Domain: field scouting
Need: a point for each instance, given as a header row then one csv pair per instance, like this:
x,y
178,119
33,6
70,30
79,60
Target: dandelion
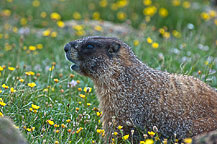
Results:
x,y
147,2
98,28
87,89
176,2
150,11
30,109
46,32
56,125
155,45
56,80
5,86
120,127
205,16
23,21
50,122
78,27
151,133
82,95
136,42
56,142
68,120
79,89
125,137
39,46
1,68
96,15
103,3
12,90
149,141
115,133
76,15
11,68
78,81
212,13
188,140
77,109
88,104
36,3
121,15
98,114
60,24
43,14
32,48
1,114
69,130
31,84
35,106
176,34
45,90
79,130
53,34
163,12
186,4
63,126
2,103
55,16
6,12
149,40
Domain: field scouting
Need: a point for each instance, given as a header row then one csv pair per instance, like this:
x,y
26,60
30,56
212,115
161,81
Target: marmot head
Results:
x,y
94,55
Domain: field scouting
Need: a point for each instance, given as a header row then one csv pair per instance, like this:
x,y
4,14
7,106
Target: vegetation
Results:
x,y
51,104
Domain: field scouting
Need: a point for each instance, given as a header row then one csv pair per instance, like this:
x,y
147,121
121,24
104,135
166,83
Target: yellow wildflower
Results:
x,y
30,73
149,141
150,11
2,103
56,142
69,130
149,40
88,104
28,129
76,15
166,35
53,34
35,106
176,2
46,32
79,130
98,28
136,42
98,113
43,14
212,13
147,2
115,133
5,86
99,131
36,3
103,3
163,12
121,15
0,91
205,16
188,140
50,69
96,15
155,45
79,89
56,80
68,120
78,81
186,4
56,125
87,89
23,21
1,114
55,16
32,48
30,109
12,90
151,133
63,125
6,12
39,46
57,131
11,68
82,96
78,27
77,109
60,24
50,122
1,68
120,127
125,137
176,34
31,84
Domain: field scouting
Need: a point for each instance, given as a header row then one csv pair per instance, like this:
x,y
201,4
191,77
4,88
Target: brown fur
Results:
x,y
136,96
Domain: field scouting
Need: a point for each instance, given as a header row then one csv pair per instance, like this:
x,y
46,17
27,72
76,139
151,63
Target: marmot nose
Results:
x,y
67,47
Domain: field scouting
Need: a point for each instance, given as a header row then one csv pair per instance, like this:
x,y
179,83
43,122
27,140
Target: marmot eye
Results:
x,y
90,46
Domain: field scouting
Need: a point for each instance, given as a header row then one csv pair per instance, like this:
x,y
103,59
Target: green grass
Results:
x,y
59,103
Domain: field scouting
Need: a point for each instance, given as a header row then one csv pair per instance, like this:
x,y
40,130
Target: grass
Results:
x,y
188,51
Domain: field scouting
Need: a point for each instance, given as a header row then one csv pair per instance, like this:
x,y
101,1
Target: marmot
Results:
x,y
138,97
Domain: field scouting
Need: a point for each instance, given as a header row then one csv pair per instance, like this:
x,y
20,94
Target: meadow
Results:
x,y
48,102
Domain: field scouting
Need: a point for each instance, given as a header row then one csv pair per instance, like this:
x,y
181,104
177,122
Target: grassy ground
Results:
x,y
177,36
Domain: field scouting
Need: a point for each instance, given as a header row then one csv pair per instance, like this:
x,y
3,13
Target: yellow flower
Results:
x,y
103,3
125,137
68,120
6,12
57,131
33,128
149,141
46,32
136,42
98,28
88,104
149,40
87,89
39,46
212,13
186,4
82,96
205,16
176,34
55,16
120,127
2,103
56,80
79,89
50,69
28,129
122,3
32,48
50,122
78,27
5,86
96,15
150,11
76,15
36,3
79,130
1,114
151,133
100,131
23,21
1,68
30,109
188,140
78,81
35,106
63,126
56,142
155,45
176,2
56,125
121,15
163,12
77,109
69,130
0,91
31,84
142,142
98,113
115,133
12,90
60,24
53,34
43,14
11,68
30,73
166,35
147,2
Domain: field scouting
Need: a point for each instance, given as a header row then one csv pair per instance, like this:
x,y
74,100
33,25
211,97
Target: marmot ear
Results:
x,y
114,48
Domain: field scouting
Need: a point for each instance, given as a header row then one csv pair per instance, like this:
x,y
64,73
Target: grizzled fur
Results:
x,y
138,97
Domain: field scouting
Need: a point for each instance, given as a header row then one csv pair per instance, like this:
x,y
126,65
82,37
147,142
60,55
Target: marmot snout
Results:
x,y
136,96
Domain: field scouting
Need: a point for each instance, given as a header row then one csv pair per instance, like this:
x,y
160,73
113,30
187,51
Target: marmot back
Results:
x,y
136,96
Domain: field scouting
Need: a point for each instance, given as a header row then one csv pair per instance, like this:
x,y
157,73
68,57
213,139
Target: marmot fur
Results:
x,y
138,97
